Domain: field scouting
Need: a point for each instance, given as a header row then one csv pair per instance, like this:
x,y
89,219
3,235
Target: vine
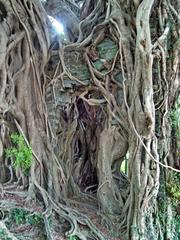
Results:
x,y
98,114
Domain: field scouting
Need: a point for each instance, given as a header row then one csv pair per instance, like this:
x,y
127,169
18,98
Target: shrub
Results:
x,y
20,153
22,216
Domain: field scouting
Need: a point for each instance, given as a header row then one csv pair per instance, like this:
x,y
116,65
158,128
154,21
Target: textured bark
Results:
x,y
87,104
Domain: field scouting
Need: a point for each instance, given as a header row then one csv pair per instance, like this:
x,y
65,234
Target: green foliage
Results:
x,y
161,209
22,216
175,118
177,226
20,153
34,219
173,186
170,197
72,237
3,235
123,167
17,216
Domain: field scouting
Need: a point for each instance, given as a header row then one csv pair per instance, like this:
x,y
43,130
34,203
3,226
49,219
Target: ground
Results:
x,y
24,219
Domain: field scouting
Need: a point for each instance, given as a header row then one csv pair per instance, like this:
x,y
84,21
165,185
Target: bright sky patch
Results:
x,y
57,25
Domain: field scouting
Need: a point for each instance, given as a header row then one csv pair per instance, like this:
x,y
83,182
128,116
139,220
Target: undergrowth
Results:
x,y
72,238
20,153
3,235
174,117
21,216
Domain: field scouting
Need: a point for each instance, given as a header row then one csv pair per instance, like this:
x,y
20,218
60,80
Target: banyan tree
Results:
x,y
102,94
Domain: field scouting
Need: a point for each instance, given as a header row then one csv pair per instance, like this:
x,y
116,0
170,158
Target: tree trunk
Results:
x,y
84,106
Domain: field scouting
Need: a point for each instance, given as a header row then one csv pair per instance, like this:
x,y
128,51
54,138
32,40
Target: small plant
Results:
x,y
175,118
73,237
22,216
173,192
123,167
34,219
17,216
124,164
20,153
173,187
3,235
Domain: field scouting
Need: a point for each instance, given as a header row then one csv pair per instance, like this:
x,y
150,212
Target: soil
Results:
x,y
25,231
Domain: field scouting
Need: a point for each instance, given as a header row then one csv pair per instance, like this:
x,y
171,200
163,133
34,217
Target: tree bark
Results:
x,y
85,105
